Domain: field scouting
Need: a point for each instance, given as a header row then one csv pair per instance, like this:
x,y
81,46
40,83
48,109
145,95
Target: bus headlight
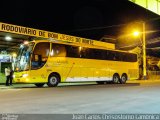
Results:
x,y
24,75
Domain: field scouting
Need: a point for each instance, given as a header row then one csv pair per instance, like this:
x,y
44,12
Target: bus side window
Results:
x,y
85,52
89,53
58,50
121,56
72,51
118,56
97,54
111,55
114,56
133,58
40,54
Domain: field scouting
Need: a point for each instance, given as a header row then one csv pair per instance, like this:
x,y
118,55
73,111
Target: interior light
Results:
x,y
80,48
14,55
52,53
21,46
26,42
8,38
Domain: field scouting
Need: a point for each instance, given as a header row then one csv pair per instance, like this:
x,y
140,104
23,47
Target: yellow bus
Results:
x,y
51,62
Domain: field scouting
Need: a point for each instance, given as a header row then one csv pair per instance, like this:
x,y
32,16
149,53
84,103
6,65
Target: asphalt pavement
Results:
x,y
133,97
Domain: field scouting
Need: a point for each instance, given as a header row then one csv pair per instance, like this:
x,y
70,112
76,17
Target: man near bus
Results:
x,y
11,76
7,74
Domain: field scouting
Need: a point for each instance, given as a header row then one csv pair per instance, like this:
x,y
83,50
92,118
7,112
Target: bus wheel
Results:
x,y
53,80
116,78
39,84
123,79
100,82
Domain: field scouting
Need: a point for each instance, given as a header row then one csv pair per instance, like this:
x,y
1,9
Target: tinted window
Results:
x,y
128,57
91,53
42,49
58,50
111,55
73,51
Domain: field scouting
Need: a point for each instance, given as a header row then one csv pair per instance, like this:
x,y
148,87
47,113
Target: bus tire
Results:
x,y
53,80
116,78
39,84
123,79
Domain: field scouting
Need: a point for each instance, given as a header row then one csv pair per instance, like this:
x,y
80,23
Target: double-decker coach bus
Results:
x,y
51,62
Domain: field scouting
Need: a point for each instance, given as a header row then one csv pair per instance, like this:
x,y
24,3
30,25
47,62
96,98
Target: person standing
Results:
x,y
7,74
11,76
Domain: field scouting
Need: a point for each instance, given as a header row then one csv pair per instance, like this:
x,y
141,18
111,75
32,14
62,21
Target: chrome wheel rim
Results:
x,y
115,79
53,80
123,79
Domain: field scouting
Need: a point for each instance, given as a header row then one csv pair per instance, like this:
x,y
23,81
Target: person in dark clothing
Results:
x,y
11,76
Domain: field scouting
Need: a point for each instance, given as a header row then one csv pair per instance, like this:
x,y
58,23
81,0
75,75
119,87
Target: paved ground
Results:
x,y
133,97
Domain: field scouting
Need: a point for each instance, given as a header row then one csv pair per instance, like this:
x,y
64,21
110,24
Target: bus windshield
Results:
x,y
23,57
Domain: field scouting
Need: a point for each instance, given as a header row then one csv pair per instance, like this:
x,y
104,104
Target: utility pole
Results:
x,y
144,52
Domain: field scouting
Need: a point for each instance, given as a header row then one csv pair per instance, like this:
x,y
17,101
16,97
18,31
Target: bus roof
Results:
x,y
52,35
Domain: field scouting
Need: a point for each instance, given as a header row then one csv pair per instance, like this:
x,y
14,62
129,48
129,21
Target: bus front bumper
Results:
x,y
21,77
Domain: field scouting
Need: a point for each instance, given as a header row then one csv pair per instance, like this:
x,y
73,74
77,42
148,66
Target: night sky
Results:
x,y
68,16
84,18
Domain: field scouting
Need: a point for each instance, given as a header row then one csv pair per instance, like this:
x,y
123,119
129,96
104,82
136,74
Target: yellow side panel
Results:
x,y
83,69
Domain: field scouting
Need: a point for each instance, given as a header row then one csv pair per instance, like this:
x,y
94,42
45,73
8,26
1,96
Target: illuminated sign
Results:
x,y
27,31
52,35
5,58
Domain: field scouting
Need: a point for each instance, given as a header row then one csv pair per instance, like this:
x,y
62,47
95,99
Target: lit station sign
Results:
x,y
52,35
27,31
